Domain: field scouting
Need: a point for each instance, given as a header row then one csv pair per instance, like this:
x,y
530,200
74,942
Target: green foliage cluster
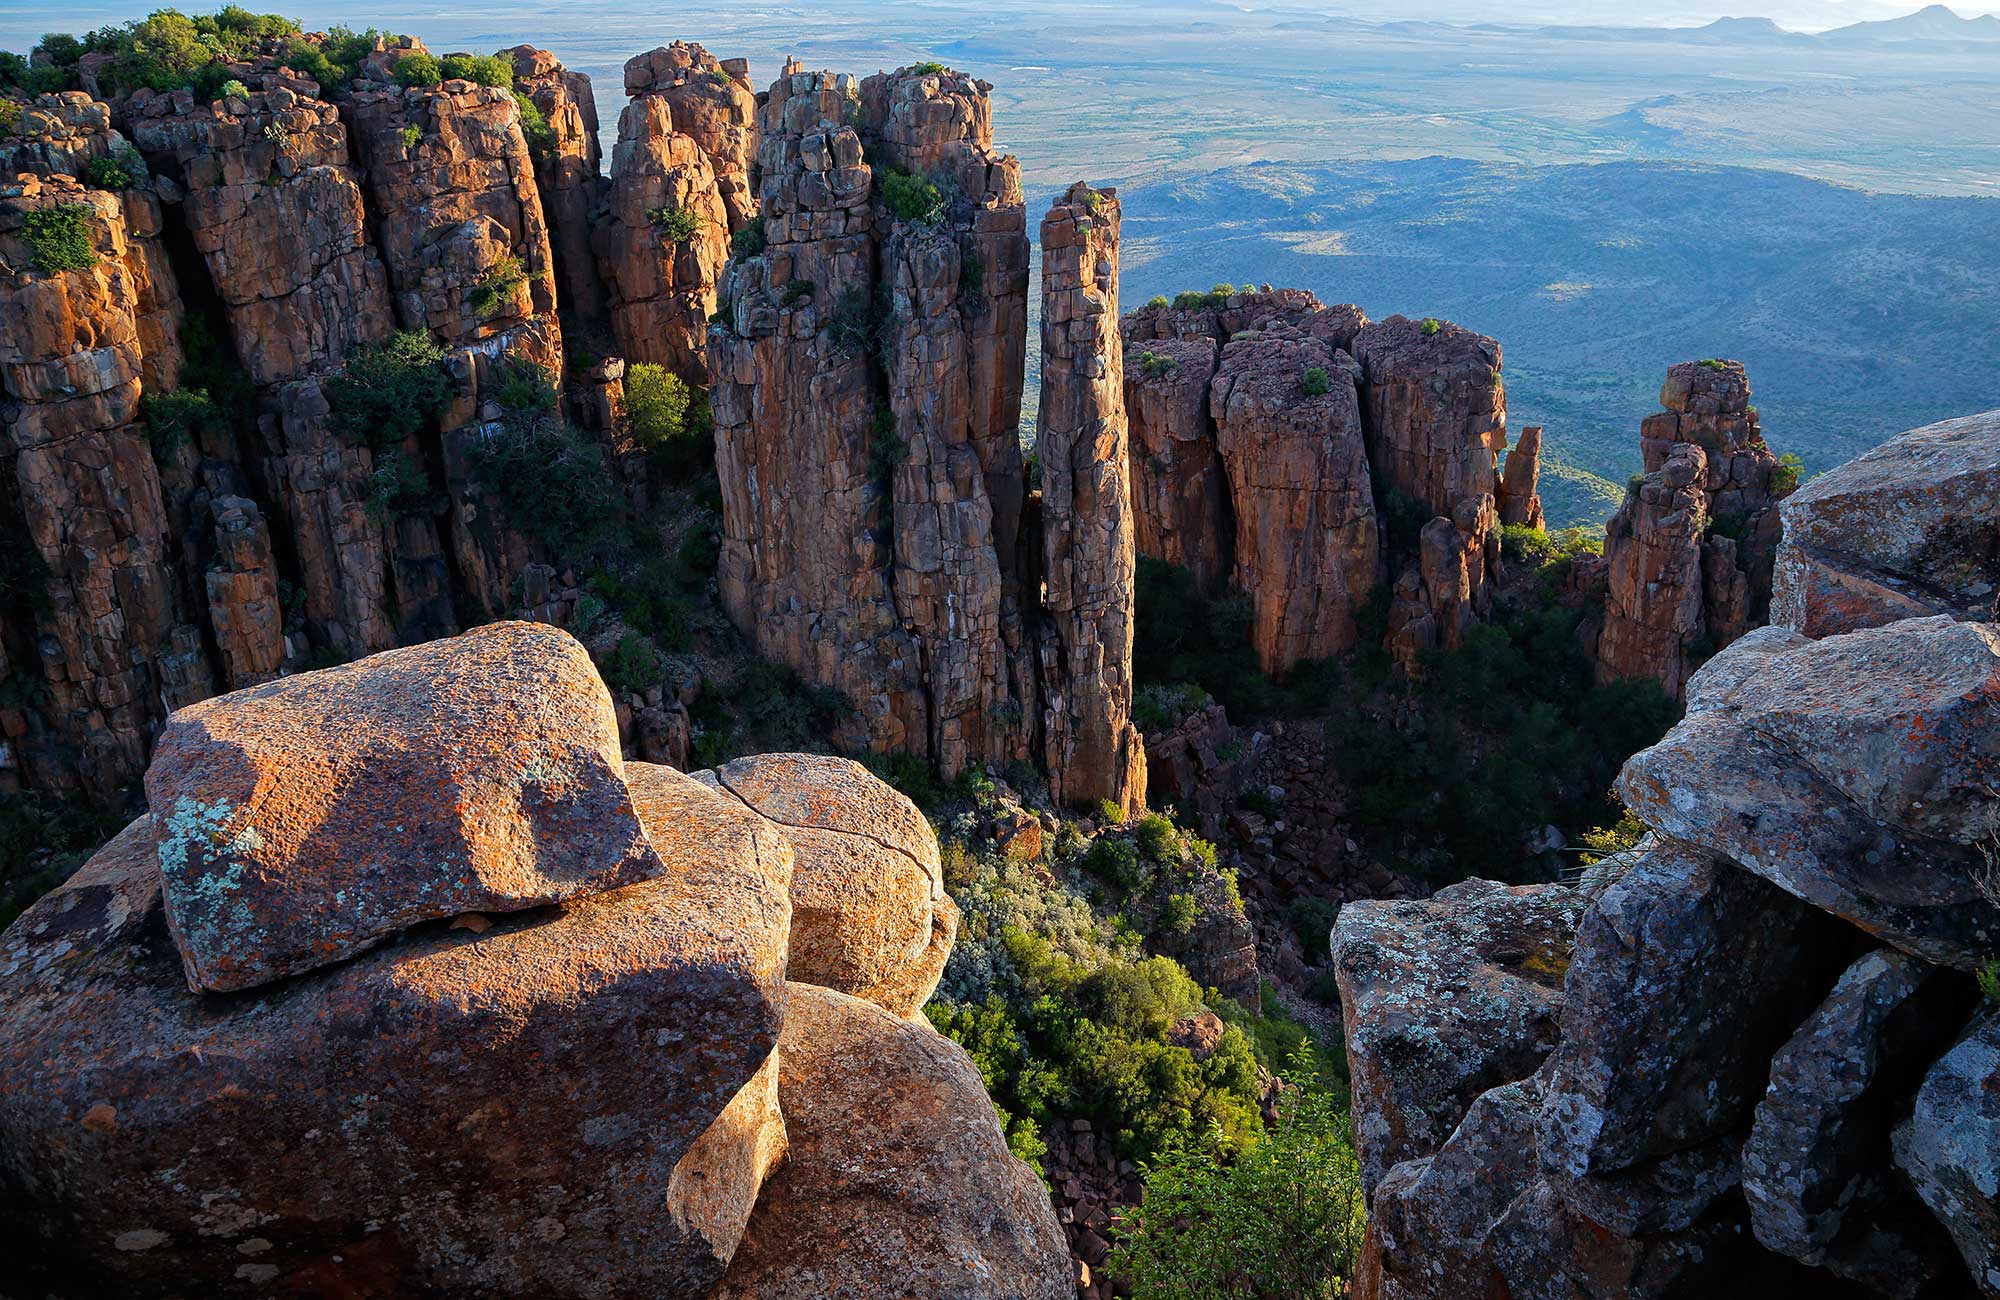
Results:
x,y
481,69
176,418
676,225
232,89
117,171
1217,297
1159,707
410,134
419,70
399,486
1156,364
497,289
929,68
669,418
552,481
331,62
633,666
535,126
388,392
1431,326
1283,1218
1312,921
911,198
43,838
59,237
749,241
768,709
166,50
10,109
1989,980
1789,471
862,321
1158,300
1315,382
1547,553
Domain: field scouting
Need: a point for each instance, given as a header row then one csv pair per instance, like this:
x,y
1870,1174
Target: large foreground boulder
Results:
x,y
899,1183
572,1101
1950,1147
869,913
1857,773
1443,998
301,821
1909,529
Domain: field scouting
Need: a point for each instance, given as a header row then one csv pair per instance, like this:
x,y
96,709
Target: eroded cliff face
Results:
x,y
1759,1055
866,371
568,165
1690,552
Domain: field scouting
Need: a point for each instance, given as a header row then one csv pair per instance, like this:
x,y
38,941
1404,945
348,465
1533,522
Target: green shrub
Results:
x,y
1158,839
1217,297
660,403
861,321
1158,708
1714,363
497,289
232,89
1785,477
410,135
1315,382
1283,1218
911,198
400,486
419,70
176,418
535,128
795,290
634,666
333,61
60,238
388,392
524,387
677,225
929,69
1431,326
552,481
1180,913
62,49
1156,364
1989,981
1110,813
481,69
10,115
718,77
749,241
1115,860
1158,300
122,170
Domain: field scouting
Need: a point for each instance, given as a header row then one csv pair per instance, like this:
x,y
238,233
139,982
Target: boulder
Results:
x,y
1442,999
301,821
1906,530
869,913
517,1105
1816,1170
1949,1147
898,1183
1855,772
1687,974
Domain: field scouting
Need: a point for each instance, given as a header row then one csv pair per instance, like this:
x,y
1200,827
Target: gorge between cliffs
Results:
x,y
576,725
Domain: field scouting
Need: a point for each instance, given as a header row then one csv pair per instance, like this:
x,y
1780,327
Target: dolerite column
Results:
x,y
1091,748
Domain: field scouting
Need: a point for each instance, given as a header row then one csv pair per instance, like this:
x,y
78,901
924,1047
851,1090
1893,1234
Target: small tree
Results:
x,y
1315,382
676,225
419,70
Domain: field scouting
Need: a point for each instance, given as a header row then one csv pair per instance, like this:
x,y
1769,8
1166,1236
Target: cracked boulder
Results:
x,y
870,916
299,822
1856,772
521,1104
899,1182
1442,999
1949,1147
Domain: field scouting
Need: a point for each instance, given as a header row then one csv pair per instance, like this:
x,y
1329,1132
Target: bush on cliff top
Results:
x,y
167,50
419,70
481,69
118,171
535,128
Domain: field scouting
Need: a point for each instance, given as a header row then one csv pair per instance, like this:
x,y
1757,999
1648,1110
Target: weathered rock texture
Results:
x,y
865,373
587,1098
1744,1093
568,165
711,101
898,1182
869,913
1906,530
289,814
1093,750
662,280
1690,551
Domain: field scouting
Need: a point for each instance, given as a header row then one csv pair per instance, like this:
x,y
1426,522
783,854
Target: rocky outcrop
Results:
x,y
870,917
1689,553
1741,1089
1288,426
712,101
1903,531
898,1181
1520,501
1180,492
663,235
865,372
112,639
568,166
1093,751
244,606
585,1098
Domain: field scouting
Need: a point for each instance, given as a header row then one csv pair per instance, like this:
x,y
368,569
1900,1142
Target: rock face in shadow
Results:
x,y
568,172
1746,1090
898,1181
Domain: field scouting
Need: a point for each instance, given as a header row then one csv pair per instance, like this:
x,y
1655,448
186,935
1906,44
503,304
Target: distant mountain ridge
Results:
x,y
1935,24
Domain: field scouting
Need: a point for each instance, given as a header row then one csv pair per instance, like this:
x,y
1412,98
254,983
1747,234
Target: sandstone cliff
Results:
x,y
581,1077
1744,1048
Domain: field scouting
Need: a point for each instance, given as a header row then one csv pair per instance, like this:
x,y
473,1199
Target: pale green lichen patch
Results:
x,y
202,853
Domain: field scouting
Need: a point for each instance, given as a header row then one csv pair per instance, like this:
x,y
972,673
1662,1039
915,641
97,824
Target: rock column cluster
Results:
x,y
419,989
1749,1047
866,366
1689,554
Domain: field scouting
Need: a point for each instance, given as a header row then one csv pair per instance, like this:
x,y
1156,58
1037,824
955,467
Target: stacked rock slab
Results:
x,y
954,287
1520,498
1771,1069
1689,553
711,101
105,625
568,167
578,1088
1093,751
662,280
